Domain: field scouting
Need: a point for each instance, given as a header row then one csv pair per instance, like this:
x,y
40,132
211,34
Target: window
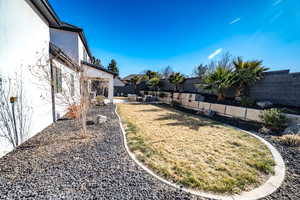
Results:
x,y
58,80
72,85
1,81
85,56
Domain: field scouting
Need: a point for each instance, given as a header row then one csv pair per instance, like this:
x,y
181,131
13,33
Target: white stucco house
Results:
x,y
33,38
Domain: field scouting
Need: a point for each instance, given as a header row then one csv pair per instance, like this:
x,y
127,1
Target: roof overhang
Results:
x,y
98,68
57,53
69,27
46,11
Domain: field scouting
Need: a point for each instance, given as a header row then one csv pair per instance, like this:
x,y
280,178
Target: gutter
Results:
x,y
52,91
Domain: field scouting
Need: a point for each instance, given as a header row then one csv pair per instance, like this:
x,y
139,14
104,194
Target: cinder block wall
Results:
x,y
280,87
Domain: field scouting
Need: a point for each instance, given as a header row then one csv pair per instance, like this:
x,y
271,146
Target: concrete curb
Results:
x,y
270,186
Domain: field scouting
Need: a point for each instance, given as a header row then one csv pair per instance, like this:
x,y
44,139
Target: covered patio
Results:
x,y
100,81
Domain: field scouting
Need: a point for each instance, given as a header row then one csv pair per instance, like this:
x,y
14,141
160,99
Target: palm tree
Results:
x,y
246,73
154,82
176,79
134,80
218,81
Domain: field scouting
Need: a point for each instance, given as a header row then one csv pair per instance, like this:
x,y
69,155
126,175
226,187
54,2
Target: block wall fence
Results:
x,y
188,100
279,87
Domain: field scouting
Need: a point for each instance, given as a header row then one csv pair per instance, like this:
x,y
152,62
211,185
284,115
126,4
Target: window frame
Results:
x,y
58,80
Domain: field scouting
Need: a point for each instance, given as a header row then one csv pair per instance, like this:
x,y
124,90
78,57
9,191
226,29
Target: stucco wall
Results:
x,y
65,99
67,41
24,37
80,49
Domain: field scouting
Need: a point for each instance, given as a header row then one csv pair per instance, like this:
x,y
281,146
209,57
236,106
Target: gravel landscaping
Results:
x,y
58,164
55,164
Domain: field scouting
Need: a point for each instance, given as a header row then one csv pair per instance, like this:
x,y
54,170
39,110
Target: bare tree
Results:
x,y
15,112
226,61
166,72
66,95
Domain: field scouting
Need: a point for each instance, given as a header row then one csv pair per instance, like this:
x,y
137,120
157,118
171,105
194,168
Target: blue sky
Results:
x,y
152,34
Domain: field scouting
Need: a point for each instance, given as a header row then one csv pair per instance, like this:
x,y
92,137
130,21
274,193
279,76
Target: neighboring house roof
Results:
x,y
118,82
58,53
98,67
69,27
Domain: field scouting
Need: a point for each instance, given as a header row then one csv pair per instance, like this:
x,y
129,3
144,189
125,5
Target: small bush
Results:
x,y
162,95
247,101
99,100
274,119
73,112
175,104
290,140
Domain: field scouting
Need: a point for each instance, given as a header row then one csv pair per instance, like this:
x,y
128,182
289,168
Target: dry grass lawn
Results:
x,y
194,151
121,98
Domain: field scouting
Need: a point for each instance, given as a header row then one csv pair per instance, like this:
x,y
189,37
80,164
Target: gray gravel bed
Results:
x,y
97,169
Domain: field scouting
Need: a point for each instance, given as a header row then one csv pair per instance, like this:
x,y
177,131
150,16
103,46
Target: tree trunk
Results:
x,y
221,97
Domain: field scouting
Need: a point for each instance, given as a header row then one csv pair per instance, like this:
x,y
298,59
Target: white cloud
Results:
x,y
235,21
216,52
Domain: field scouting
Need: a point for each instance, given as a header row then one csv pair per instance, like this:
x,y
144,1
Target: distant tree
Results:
x,y
200,70
96,61
154,82
226,61
176,79
134,80
166,72
151,74
113,67
148,74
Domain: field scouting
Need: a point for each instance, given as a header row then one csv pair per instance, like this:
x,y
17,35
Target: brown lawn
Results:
x,y
195,151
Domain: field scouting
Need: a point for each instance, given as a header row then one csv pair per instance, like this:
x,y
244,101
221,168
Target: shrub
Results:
x,y
100,100
247,101
162,95
274,119
175,104
73,111
290,140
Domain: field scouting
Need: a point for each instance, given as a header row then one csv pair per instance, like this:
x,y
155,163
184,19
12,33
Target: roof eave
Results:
x,y
98,67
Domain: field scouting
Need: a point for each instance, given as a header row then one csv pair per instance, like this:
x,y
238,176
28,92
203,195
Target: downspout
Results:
x,y
52,90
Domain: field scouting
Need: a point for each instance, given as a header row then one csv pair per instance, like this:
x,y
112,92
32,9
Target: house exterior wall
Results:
x,y
64,99
67,41
24,38
95,73
81,49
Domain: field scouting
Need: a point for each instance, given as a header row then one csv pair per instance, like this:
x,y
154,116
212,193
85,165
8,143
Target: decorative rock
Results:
x,y
209,113
238,99
264,104
100,119
294,129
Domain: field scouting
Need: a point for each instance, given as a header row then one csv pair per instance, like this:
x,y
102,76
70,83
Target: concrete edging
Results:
x,y
270,186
